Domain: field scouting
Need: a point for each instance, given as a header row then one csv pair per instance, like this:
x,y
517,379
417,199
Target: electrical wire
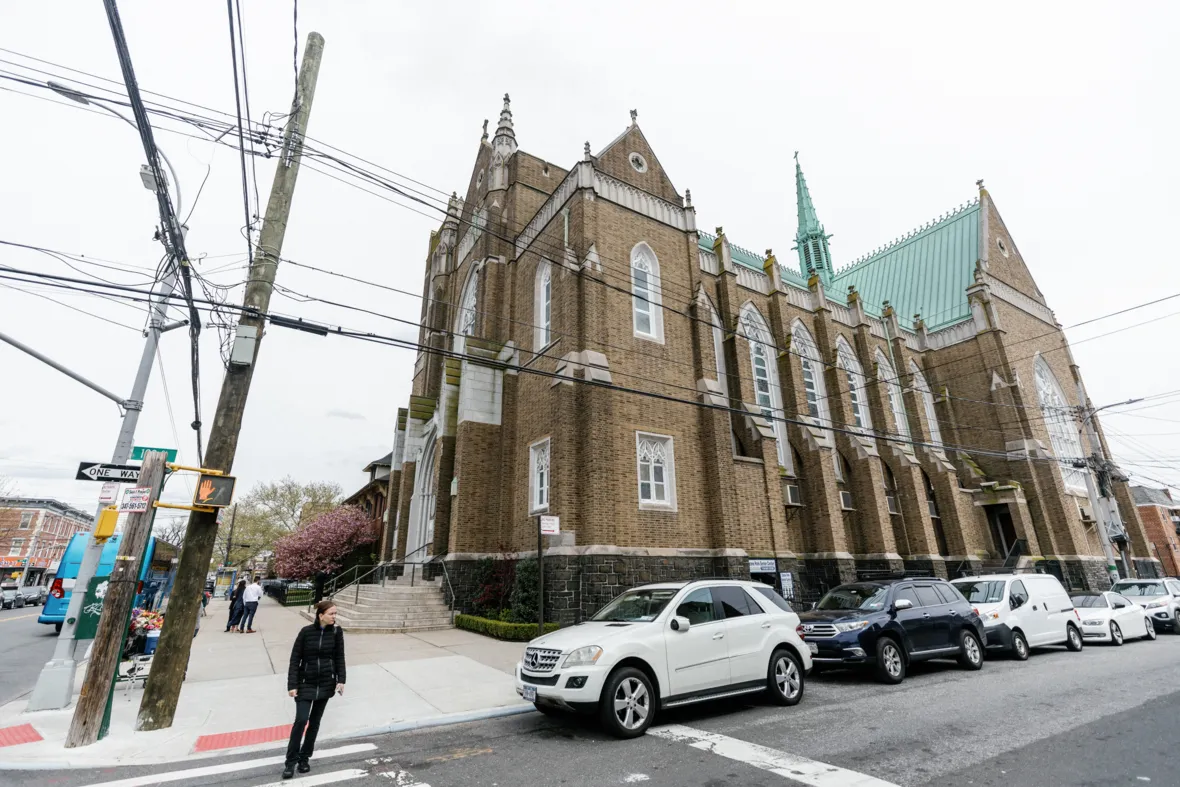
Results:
x,y
72,308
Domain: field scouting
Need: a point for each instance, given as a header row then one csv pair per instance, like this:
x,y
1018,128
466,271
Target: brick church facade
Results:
x,y
691,408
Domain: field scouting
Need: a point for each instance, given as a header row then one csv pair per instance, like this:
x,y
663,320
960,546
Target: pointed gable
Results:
x,y
616,160
1003,258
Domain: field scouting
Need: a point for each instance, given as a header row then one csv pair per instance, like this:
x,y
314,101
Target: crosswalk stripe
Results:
x,y
227,767
331,777
789,766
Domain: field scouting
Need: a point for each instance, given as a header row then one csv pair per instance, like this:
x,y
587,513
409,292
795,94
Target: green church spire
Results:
x,y
810,240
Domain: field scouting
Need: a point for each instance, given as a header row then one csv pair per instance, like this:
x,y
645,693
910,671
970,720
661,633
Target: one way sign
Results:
x,y
96,471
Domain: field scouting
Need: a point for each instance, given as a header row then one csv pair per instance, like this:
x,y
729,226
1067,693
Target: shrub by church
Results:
x,y
691,408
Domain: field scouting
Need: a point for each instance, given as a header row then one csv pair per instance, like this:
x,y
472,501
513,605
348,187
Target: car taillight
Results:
x,y
56,591
976,611
799,630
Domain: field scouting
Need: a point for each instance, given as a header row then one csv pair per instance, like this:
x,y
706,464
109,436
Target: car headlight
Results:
x,y
854,626
1155,604
987,617
1091,622
583,656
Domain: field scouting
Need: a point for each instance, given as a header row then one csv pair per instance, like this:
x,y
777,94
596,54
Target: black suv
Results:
x,y
889,623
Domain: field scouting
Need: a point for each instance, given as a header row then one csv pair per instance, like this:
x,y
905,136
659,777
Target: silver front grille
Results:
x,y
540,659
818,630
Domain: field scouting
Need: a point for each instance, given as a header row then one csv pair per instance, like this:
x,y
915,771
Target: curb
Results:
x,y
386,729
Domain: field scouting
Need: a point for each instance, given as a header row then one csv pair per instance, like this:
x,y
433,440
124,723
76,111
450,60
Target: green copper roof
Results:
x,y
925,272
749,259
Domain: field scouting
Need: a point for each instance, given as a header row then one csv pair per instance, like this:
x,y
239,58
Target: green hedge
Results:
x,y
514,632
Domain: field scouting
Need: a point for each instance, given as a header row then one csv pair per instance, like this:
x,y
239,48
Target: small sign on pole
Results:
x,y
109,493
550,525
788,584
135,500
138,451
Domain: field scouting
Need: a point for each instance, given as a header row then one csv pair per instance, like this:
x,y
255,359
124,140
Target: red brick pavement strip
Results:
x,y
230,740
24,733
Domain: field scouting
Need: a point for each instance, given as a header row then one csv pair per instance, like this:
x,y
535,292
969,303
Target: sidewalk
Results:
x,y
235,696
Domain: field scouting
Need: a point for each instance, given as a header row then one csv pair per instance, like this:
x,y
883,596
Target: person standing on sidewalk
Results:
x,y
316,671
237,606
251,595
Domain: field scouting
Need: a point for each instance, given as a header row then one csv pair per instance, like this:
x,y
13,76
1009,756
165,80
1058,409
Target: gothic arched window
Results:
x,y
764,374
813,374
856,384
893,388
465,325
647,318
923,389
543,307
1062,426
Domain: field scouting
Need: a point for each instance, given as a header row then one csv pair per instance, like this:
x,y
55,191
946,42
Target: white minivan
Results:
x,y
1022,611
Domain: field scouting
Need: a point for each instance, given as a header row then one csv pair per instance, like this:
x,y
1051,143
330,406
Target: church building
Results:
x,y
687,407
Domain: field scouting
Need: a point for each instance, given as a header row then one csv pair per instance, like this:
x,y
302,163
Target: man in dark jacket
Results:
x,y
316,671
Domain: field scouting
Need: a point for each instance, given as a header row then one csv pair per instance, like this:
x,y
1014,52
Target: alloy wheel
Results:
x,y
632,703
1116,633
971,648
786,676
892,660
1150,628
1021,648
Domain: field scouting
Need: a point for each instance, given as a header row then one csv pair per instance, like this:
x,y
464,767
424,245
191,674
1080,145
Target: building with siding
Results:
x,y
688,407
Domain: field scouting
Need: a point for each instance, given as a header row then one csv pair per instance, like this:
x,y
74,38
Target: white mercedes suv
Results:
x,y
665,645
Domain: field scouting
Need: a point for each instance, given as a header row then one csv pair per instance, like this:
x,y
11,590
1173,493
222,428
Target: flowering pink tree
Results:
x,y
321,544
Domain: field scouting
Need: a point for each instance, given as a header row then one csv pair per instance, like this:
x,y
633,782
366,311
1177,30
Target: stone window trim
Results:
x,y
543,306
655,458
1003,247
856,384
719,349
764,375
540,476
637,162
647,317
26,520
1061,424
15,547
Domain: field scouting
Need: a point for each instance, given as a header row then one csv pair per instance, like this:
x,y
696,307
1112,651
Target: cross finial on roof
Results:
x,y
485,130
979,183
634,116
796,155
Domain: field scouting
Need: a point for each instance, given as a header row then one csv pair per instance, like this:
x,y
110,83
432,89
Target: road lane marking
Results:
x,y
403,778
18,617
330,777
789,766
227,767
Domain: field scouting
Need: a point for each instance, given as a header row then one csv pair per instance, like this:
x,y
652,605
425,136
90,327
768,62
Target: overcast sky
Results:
x,y
1066,110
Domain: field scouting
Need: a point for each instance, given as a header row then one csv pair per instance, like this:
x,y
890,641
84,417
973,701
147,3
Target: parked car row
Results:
x,y
671,644
14,596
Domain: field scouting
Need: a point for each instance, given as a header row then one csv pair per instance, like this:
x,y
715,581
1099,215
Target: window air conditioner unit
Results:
x,y
1085,511
794,498
892,501
846,501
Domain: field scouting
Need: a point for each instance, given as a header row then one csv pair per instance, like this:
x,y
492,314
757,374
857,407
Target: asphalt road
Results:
x,y
1105,716
25,646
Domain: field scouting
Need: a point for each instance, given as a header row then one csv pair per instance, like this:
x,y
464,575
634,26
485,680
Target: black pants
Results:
x,y
306,712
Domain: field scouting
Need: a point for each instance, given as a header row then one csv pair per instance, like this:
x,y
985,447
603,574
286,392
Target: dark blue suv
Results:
x,y
887,624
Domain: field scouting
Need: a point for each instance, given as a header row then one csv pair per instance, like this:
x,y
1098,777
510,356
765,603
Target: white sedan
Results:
x,y
1110,617
667,645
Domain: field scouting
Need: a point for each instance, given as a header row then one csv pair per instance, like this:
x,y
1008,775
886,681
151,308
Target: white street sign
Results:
x,y
109,493
550,525
762,566
135,500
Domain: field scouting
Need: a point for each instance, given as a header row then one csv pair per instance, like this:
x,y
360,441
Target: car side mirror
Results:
x,y
902,603
680,623
1014,602
1120,606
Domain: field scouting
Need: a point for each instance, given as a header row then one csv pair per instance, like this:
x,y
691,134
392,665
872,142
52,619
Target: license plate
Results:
x,y
813,648
530,693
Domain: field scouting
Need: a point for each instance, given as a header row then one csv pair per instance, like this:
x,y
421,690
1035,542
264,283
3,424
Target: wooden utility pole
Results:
x,y
160,696
116,610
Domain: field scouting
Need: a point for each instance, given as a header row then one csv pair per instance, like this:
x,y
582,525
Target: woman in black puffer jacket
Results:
x,y
315,672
